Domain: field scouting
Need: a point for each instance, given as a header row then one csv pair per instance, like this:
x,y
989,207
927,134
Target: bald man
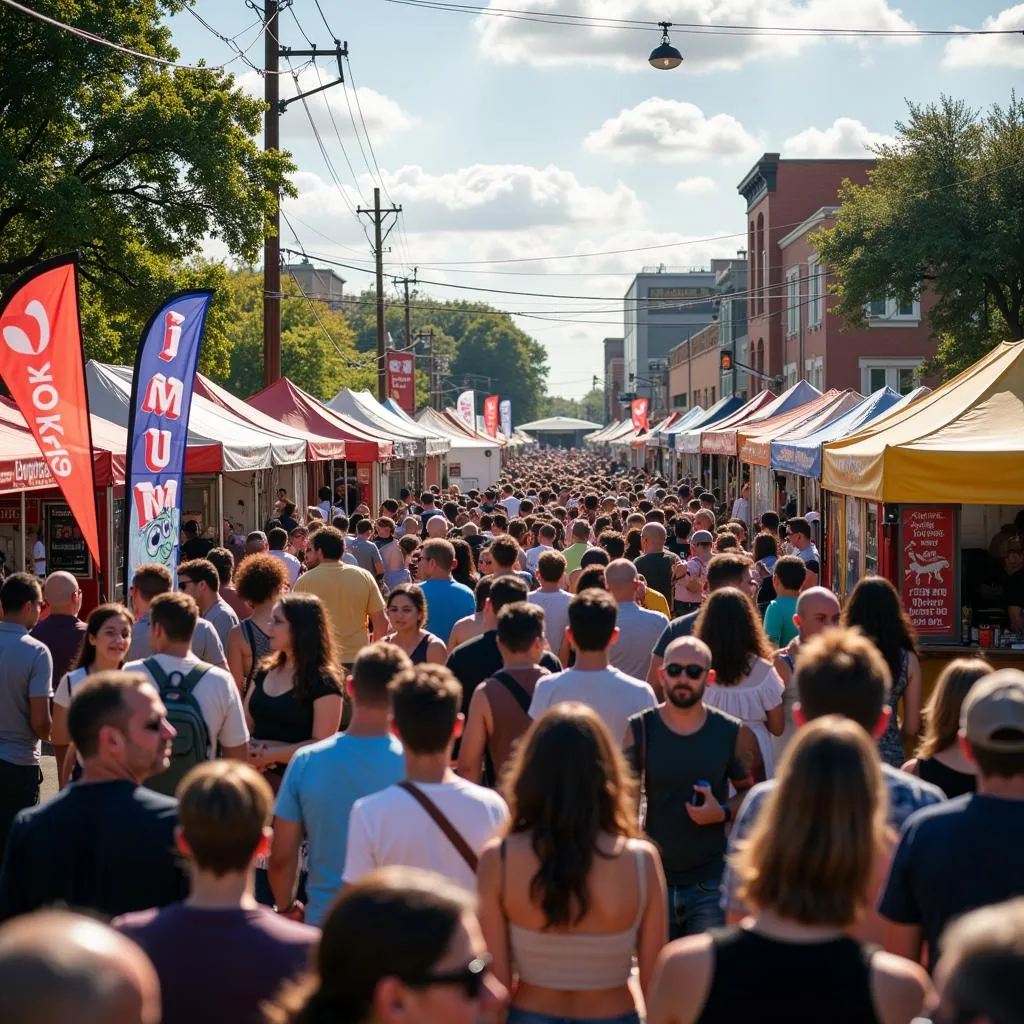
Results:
x,y
639,629
62,630
62,968
657,564
437,527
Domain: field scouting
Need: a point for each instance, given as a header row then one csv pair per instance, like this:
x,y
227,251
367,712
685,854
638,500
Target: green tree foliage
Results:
x,y
944,209
475,340
318,350
132,164
589,407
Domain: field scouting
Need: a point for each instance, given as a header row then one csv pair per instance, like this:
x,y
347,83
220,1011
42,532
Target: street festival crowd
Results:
x,y
583,747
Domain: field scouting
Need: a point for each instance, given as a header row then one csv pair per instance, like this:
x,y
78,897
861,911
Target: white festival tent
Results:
x,y
412,440
478,460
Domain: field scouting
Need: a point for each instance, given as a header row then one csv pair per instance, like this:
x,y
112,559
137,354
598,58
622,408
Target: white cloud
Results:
x,y
846,137
671,131
548,45
701,185
989,51
384,117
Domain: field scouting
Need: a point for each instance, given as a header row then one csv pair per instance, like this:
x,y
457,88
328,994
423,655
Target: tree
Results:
x,y
133,164
318,350
589,407
944,210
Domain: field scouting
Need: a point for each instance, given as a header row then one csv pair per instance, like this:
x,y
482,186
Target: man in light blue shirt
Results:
x,y
325,779
447,601
26,686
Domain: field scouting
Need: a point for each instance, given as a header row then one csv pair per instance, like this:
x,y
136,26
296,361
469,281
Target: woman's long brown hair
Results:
x,y
568,783
942,712
312,644
730,626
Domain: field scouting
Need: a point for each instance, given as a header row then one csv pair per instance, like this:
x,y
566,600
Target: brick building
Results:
x,y
791,331
614,378
693,371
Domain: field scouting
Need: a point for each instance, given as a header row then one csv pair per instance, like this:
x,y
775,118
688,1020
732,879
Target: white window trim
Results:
x,y
815,298
893,317
814,371
887,363
789,374
792,308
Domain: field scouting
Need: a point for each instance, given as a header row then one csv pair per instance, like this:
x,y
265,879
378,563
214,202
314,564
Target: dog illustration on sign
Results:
x,y
925,565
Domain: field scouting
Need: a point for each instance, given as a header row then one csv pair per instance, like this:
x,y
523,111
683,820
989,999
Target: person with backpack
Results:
x,y
499,711
203,704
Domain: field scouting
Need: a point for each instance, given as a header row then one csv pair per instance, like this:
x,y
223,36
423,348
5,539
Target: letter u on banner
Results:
x,y
42,361
162,386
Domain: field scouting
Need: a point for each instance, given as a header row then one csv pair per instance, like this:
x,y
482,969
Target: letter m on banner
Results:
x,y
161,401
42,362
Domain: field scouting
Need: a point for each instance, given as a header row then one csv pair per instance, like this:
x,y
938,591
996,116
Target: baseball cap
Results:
x,y
994,705
702,537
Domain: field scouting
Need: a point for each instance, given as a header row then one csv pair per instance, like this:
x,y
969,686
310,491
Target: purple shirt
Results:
x,y
63,635
219,965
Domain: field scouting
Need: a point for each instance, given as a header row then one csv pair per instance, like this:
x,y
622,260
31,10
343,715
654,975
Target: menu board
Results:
x,y
65,546
928,570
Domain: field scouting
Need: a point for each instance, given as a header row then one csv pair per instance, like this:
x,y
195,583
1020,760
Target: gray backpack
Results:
x,y
192,743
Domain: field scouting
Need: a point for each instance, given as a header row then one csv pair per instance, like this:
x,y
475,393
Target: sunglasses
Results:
x,y
674,671
471,977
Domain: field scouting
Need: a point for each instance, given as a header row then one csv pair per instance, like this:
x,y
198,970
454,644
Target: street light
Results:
x,y
665,57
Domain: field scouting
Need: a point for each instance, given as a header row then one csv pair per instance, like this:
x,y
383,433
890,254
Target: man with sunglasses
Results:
x,y
105,844
686,755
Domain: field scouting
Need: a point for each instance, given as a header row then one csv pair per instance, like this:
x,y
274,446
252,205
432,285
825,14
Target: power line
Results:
x,y
703,28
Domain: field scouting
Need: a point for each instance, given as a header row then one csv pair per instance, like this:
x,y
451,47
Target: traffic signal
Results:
x,y
726,361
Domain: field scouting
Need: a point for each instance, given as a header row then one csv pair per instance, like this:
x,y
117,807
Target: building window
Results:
x,y
789,374
814,372
712,394
814,289
889,309
893,372
792,301
679,401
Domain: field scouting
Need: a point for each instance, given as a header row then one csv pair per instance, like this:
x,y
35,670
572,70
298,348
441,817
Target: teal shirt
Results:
x,y
778,621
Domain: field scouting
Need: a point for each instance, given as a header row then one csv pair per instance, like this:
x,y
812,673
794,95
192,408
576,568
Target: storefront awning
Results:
x,y
754,444
687,438
723,439
962,444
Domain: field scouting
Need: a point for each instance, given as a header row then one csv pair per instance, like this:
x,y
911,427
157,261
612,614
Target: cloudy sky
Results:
x,y
552,160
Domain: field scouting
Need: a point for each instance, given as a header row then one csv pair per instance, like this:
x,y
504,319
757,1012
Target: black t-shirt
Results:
x,y
656,567
683,626
1013,590
954,857
478,659
197,547
101,847
679,547
285,718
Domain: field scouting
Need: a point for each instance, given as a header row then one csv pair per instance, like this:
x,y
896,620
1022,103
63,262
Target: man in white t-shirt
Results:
x,y
277,539
39,554
172,620
433,819
509,502
546,534
615,696
551,597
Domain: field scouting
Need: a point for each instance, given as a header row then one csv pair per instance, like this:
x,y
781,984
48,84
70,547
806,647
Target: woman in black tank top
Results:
x,y
407,612
938,758
806,872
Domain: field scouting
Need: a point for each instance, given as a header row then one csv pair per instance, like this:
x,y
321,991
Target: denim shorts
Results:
x,y
517,1016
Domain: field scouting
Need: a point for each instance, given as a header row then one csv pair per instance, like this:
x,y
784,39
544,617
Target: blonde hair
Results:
x,y
811,855
942,712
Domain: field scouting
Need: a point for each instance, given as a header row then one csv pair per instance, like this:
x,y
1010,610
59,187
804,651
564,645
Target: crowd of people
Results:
x,y
585,747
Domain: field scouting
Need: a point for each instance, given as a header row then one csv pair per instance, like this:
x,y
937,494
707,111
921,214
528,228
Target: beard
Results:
x,y
685,698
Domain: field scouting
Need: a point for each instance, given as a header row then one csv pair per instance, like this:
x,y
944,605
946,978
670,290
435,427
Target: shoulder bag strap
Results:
x,y
450,831
522,698
155,669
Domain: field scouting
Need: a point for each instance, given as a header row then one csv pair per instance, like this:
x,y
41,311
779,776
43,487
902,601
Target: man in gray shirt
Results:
x,y
200,579
26,686
639,629
149,581
365,552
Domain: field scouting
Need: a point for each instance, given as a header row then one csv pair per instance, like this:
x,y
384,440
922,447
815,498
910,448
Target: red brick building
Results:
x,y
792,331
693,371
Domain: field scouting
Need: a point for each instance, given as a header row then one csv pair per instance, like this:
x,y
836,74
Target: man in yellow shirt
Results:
x,y
349,594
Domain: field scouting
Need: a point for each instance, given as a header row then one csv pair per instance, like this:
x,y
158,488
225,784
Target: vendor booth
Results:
x,y
929,497
686,436
473,461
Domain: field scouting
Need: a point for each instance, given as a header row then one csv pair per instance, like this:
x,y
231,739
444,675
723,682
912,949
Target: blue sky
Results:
x,y
508,140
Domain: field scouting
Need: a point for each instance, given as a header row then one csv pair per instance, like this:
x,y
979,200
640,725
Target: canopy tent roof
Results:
x,y
317,446
962,444
411,440
293,407
522,437
621,436
682,422
687,439
801,453
724,439
243,447
754,443
649,437
599,435
109,444
559,425
439,424
451,417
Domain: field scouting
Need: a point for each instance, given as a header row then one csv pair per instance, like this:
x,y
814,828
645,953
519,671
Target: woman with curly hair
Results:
x,y
876,610
571,892
259,580
742,681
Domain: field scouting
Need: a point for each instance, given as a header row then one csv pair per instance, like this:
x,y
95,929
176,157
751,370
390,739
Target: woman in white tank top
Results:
x,y
571,892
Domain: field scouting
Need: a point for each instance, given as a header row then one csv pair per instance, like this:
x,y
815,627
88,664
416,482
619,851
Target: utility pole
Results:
x,y
273,51
406,281
272,239
379,235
